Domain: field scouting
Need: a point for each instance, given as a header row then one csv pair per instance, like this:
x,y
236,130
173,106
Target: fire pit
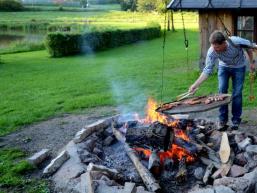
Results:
x,y
157,154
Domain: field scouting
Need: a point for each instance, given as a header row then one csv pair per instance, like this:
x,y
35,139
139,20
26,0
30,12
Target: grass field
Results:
x,y
107,18
35,86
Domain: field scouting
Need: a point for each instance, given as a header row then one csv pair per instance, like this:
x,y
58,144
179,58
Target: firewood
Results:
x,y
154,164
208,172
149,181
182,171
224,169
188,146
211,153
208,162
224,151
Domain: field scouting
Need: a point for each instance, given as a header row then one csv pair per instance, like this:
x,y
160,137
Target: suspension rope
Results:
x,y
163,56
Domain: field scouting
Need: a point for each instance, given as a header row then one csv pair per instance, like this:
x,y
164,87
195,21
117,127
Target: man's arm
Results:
x,y
207,71
198,82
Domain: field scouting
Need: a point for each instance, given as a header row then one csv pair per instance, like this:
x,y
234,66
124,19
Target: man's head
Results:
x,y
218,41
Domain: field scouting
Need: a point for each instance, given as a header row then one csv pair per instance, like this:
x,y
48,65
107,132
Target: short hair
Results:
x,y
217,37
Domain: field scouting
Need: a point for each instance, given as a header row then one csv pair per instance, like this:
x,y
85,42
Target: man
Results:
x,y
232,64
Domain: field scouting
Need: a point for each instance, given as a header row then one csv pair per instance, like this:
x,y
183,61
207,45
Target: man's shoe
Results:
x,y
235,126
222,126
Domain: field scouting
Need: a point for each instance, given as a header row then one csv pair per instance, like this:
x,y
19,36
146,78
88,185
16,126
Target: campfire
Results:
x,y
158,153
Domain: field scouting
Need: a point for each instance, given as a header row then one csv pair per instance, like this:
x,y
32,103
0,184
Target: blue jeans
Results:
x,y
238,76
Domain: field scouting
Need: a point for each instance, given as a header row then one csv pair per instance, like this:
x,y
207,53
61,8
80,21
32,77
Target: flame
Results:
x,y
175,152
153,116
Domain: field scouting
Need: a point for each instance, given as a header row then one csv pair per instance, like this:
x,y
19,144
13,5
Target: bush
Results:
x,y
11,5
64,44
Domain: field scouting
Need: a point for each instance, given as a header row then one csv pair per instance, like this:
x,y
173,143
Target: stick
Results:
x,y
208,172
145,174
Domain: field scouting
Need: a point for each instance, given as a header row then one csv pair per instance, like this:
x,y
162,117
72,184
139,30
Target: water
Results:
x,y
9,37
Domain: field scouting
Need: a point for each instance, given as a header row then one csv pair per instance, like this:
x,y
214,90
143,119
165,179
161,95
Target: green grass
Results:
x,y
105,17
35,86
12,174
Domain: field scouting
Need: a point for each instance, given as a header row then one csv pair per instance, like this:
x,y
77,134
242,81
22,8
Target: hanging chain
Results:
x,y
186,42
163,55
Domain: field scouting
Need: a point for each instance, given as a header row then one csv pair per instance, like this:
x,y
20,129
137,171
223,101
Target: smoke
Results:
x,y
127,93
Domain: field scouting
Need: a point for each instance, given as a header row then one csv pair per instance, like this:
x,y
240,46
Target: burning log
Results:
x,y
168,139
153,135
154,164
145,174
188,146
182,171
208,172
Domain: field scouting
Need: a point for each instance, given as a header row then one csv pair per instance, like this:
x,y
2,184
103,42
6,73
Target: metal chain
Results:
x,y
163,56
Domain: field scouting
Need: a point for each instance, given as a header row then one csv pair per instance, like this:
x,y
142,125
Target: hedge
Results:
x,y
65,43
11,5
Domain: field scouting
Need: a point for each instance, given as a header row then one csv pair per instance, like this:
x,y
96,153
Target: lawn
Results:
x,y
35,86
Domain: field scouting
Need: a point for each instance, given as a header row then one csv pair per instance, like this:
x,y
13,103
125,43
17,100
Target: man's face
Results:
x,y
220,47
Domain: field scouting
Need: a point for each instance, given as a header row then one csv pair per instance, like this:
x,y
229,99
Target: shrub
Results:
x,y
63,44
11,5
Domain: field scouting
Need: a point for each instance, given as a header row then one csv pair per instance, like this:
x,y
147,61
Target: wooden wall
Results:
x,y
209,22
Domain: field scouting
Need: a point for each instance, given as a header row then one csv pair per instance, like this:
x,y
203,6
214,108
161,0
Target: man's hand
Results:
x,y
192,89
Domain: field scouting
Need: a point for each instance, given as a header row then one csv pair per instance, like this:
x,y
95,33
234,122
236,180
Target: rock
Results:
x,y
129,188
244,184
236,171
108,140
240,159
56,163
239,137
251,149
88,130
223,189
215,138
98,152
204,190
243,144
67,178
199,173
39,157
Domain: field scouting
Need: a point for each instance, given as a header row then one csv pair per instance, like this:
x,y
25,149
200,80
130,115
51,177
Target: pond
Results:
x,y
10,37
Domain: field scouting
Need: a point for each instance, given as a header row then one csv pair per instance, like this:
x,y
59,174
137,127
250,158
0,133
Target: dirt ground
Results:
x,y
56,132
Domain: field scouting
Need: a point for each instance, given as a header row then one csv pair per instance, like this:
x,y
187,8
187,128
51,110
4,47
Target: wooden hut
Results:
x,y
239,17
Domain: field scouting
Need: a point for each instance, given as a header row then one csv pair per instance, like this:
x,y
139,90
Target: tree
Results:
x,y
128,5
83,3
146,5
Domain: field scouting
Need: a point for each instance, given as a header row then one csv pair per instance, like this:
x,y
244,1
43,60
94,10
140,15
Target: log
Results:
x,y
148,179
113,173
188,146
224,151
153,135
224,169
168,140
154,164
207,173
208,162
182,171
211,153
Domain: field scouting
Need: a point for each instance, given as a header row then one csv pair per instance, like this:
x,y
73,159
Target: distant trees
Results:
x,y
144,5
